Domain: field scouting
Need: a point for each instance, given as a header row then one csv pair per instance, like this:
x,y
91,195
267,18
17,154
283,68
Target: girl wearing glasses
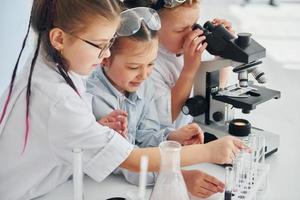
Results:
x,y
46,112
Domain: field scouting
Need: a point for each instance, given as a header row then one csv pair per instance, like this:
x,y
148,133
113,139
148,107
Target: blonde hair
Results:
x,y
152,4
187,3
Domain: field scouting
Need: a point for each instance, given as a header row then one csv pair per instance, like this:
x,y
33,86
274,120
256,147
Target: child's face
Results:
x,y
83,57
132,64
176,24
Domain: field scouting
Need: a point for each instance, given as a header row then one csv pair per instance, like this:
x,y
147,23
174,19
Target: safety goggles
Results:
x,y
131,20
173,3
167,4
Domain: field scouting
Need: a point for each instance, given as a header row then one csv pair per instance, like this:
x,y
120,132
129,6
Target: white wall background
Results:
x,y
14,18
277,28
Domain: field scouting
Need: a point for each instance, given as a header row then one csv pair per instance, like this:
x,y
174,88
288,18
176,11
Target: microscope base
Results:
x,y
272,140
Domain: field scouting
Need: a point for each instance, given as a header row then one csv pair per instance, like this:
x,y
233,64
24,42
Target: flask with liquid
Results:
x,y
170,184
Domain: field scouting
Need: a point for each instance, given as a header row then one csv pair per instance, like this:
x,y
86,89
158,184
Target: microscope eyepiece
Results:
x,y
205,31
209,26
217,37
221,42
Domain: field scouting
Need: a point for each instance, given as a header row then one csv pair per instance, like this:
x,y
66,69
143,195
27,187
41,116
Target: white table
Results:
x,y
116,186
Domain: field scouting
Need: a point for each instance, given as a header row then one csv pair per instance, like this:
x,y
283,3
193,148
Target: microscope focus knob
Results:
x,y
218,116
195,106
244,39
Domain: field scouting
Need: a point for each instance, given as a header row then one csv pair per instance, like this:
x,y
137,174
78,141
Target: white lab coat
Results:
x,y
60,120
167,70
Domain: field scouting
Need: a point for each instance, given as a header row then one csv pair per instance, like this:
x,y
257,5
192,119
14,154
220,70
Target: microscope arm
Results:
x,y
210,66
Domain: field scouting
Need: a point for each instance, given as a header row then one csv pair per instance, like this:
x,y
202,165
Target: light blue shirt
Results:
x,y
144,128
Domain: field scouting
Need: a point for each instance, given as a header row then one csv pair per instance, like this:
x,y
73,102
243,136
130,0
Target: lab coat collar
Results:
x,y
79,81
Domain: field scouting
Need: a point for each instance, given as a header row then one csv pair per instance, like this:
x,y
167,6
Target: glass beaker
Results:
x,y
170,184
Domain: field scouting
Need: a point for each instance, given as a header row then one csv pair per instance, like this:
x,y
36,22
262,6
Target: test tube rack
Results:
x,y
248,183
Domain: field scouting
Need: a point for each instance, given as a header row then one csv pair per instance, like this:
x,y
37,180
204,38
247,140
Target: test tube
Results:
x,y
77,174
229,182
262,151
253,144
262,147
121,106
121,102
143,177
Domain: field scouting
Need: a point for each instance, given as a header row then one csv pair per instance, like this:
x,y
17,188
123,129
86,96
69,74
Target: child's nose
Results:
x,y
144,73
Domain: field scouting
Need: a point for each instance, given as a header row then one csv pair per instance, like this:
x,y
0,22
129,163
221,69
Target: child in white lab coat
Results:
x,y
46,112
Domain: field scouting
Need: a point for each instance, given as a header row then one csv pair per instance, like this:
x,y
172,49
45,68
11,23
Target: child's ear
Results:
x,y
106,62
57,36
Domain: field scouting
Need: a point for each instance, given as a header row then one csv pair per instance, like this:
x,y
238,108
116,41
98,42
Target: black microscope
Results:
x,y
213,107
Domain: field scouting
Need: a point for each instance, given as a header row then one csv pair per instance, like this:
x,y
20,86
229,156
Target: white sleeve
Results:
x,y
72,125
133,177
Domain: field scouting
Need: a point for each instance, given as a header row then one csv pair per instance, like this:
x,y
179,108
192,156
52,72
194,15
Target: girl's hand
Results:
x,y
116,120
201,184
193,48
225,23
224,150
188,134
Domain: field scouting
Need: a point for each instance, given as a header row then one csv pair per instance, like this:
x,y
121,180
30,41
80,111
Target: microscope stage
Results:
x,y
255,97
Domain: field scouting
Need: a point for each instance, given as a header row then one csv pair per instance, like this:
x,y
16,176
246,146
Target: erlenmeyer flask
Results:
x,y
170,184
